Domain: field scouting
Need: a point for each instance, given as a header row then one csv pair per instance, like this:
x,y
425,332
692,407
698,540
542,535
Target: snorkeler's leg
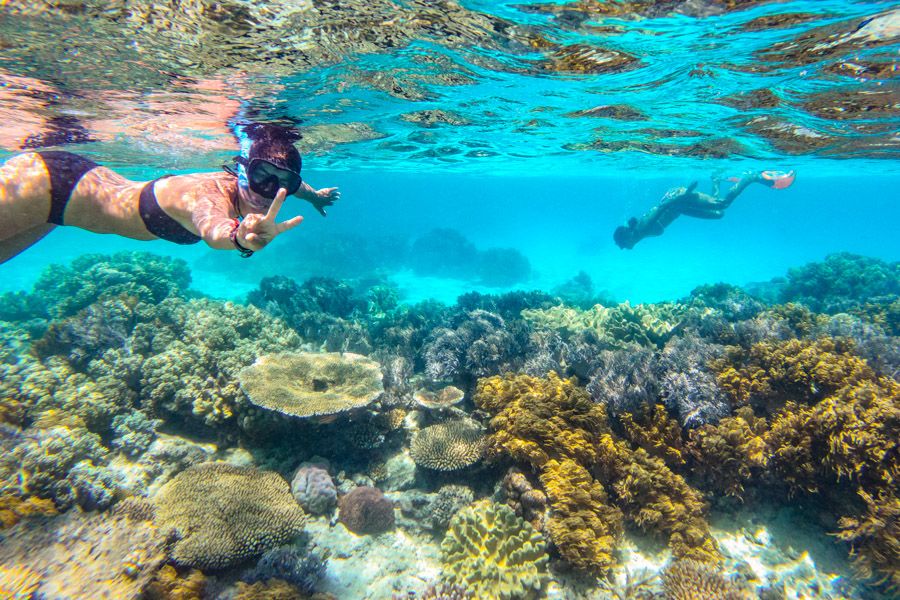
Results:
x,y
24,194
14,245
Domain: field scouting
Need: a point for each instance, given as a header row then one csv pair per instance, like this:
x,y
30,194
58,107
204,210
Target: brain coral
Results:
x,y
224,514
313,488
366,510
494,553
448,446
306,384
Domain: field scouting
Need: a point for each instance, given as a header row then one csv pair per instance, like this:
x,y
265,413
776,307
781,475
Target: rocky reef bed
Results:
x,y
326,441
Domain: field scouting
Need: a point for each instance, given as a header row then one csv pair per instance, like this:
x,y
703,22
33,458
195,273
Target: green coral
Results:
x,y
615,327
494,553
222,514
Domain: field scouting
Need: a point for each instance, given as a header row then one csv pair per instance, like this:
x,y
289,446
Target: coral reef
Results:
x,y
691,580
314,489
875,538
365,510
730,453
86,555
687,385
302,569
656,432
448,446
527,501
134,432
494,553
223,514
443,398
841,281
312,384
18,582
169,584
625,380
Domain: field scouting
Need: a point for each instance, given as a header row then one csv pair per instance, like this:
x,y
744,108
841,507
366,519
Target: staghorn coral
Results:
x,y
314,489
224,514
365,510
448,446
494,553
773,372
312,384
169,584
581,524
729,453
693,580
875,538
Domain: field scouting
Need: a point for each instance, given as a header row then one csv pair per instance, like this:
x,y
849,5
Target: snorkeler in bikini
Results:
x,y
230,210
686,201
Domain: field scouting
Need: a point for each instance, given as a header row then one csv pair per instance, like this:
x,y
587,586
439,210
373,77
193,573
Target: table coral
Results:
x,y
494,553
448,446
312,384
224,514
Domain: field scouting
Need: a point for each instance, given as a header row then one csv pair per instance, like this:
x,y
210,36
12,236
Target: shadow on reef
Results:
x,y
514,441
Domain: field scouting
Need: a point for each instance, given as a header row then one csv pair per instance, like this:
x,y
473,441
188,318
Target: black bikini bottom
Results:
x,y
66,170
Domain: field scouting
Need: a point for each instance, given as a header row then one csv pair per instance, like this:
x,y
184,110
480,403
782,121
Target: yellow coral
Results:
x,y
773,372
657,433
729,453
539,419
875,538
582,524
168,584
273,589
14,508
18,582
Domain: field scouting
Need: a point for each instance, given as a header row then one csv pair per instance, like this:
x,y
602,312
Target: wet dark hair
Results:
x,y
623,238
274,143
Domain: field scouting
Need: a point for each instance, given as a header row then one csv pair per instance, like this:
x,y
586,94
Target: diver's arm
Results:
x,y
214,224
318,198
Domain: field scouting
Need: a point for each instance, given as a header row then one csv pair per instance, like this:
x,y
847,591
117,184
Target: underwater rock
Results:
x,y
313,489
224,514
365,510
494,553
312,384
448,446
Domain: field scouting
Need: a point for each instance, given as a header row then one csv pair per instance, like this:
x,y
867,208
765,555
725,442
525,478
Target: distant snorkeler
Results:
x,y
686,201
233,209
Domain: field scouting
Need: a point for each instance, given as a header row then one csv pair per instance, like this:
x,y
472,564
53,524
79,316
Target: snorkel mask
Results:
x,y
257,171
265,178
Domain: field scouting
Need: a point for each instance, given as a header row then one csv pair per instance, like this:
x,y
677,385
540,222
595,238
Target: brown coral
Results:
x,y
875,538
657,433
693,580
365,510
729,453
527,501
169,584
448,446
224,514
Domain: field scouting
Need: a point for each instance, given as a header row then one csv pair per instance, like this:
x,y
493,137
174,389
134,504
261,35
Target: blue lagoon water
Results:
x,y
488,147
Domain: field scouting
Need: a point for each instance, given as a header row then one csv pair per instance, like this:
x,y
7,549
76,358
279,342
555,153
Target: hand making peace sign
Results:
x,y
257,230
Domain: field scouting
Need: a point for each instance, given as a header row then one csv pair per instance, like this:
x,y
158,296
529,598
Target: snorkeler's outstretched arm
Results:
x,y
257,230
318,198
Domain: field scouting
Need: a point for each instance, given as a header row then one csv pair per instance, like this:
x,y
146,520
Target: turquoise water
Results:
x,y
596,422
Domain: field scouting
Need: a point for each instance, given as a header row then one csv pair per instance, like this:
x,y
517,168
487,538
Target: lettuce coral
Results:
x,y
656,432
728,454
494,553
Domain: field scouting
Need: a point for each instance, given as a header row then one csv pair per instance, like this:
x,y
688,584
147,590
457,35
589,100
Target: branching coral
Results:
x,y
494,553
875,538
310,384
625,380
773,372
223,514
687,385
729,453
448,446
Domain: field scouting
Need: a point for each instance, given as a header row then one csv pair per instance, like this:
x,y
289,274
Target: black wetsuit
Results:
x,y
66,170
